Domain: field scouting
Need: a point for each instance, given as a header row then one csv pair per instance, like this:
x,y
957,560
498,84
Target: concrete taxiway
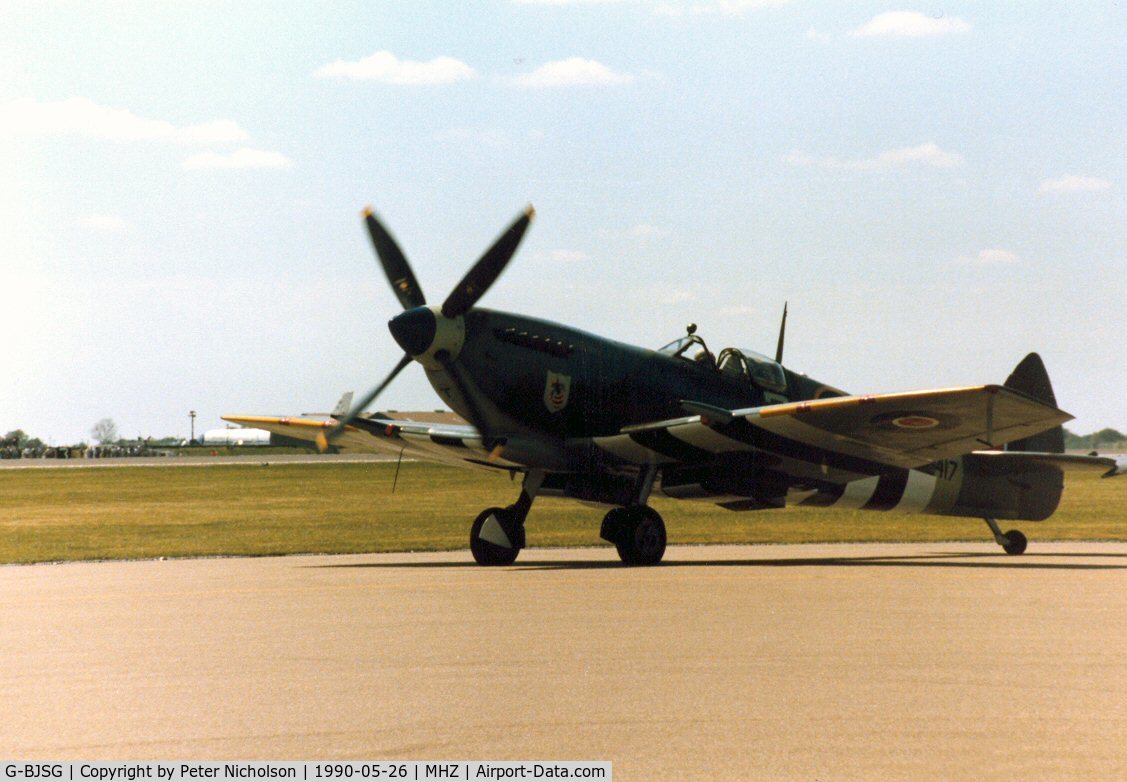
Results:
x,y
766,662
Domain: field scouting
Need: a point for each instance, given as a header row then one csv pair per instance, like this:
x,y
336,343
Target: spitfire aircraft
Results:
x,y
608,424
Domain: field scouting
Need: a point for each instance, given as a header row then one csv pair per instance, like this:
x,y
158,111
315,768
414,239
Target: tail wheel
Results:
x,y
491,536
642,537
1015,542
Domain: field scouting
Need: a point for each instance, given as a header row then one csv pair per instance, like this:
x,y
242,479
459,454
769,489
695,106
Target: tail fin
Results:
x,y
1031,379
343,406
1008,485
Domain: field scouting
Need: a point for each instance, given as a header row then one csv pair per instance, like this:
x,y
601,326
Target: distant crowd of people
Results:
x,y
79,452
42,452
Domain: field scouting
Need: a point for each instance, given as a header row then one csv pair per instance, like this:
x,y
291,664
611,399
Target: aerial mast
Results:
x,y
782,333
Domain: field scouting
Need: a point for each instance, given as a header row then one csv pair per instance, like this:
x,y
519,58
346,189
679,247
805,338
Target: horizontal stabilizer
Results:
x,y
340,411
1111,466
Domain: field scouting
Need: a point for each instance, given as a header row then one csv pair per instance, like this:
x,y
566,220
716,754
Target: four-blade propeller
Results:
x,y
407,290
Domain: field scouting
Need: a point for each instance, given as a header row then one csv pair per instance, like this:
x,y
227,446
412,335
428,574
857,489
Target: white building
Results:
x,y
236,436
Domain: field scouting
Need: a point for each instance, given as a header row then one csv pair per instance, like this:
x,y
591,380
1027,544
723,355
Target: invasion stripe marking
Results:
x,y
807,433
825,496
707,438
858,493
423,443
918,492
890,488
661,441
624,448
769,441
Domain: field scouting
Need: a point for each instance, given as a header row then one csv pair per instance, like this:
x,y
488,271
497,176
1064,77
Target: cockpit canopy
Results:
x,y
737,363
762,371
683,347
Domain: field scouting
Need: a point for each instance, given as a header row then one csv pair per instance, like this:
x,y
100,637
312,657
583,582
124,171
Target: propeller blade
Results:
x,y
325,438
474,412
487,269
394,263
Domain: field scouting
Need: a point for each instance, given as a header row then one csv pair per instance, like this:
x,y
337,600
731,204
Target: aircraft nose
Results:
x,y
414,330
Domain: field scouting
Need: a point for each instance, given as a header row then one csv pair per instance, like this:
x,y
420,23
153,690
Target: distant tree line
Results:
x,y
19,439
1107,437
18,444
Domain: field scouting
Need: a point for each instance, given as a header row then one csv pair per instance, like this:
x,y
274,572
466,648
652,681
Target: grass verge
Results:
x,y
141,512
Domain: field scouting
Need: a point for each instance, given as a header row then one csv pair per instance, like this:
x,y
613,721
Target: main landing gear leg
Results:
x,y
1013,542
637,531
497,534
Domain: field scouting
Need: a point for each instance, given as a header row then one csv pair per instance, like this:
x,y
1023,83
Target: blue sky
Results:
x,y
936,190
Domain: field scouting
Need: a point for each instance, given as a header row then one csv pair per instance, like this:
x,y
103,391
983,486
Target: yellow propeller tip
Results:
x,y
530,211
496,452
367,212
322,442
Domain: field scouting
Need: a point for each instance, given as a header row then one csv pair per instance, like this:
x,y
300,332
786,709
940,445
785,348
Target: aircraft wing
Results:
x,y
446,443
869,432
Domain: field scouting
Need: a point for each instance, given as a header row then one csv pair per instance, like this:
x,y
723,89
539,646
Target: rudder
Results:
x,y
1032,379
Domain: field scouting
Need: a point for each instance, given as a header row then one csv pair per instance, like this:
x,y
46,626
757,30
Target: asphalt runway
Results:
x,y
754,662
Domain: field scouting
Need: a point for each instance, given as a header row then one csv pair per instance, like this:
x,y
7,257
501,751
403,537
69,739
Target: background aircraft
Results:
x,y
608,423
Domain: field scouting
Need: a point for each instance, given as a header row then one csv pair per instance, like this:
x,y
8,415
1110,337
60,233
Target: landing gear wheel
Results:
x,y
1015,542
641,536
491,538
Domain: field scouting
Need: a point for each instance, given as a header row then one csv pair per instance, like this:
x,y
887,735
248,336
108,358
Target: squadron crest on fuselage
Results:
x,y
556,391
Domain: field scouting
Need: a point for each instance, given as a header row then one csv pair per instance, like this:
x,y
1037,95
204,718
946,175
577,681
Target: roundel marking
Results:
x,y
915,422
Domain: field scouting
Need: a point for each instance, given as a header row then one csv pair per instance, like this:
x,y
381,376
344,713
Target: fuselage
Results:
x,y
569,383
561,398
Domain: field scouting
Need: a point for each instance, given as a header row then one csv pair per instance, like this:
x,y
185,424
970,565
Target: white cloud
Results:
x,y
240,158
910,24
105,224
991,257
383,66
928,154
574,71
814,35
84,117
1074,184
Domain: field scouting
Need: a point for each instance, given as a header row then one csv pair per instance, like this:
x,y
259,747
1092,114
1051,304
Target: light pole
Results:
x,y
192,418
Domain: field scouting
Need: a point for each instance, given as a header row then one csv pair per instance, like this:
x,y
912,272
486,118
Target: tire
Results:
x,y
1015,542
642,539
486,552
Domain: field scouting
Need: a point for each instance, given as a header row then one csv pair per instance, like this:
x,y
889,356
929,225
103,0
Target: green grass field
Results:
x,y
140,512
